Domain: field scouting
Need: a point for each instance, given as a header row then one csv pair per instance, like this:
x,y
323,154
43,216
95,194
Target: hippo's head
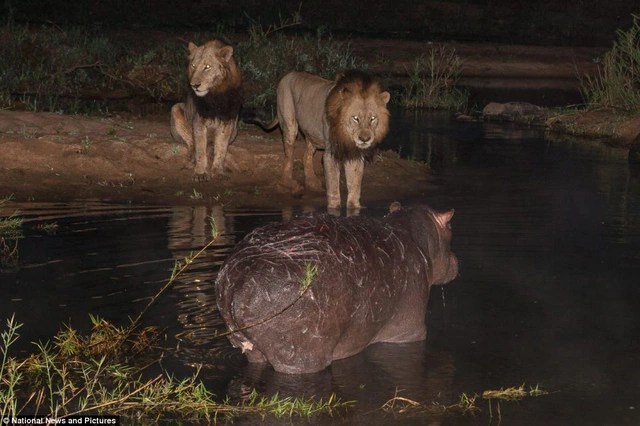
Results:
x,y
432,232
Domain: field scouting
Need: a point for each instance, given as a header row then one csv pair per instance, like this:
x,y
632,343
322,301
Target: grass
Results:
x,y
10,233
617,83
432,81
84,70
11,225
466,404
104,373
77,70
269,54
109,371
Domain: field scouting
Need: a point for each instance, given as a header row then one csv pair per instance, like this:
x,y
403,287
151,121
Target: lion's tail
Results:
x,y
250,117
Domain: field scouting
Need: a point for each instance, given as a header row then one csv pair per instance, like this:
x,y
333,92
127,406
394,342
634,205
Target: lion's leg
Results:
x,y
181,128
224,134
289,134
353,172
332,180
311,180
200,150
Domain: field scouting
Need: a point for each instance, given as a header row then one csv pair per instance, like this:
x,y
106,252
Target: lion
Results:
x,y
212,106
347,118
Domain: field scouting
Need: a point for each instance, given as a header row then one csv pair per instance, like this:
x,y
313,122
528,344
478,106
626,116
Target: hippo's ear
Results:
x,y
444,218
395,207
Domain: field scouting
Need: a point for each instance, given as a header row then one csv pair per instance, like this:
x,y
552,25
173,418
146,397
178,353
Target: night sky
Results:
x,y
542,22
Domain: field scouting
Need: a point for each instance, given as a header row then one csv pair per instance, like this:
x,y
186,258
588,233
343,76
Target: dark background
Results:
x,y
542,22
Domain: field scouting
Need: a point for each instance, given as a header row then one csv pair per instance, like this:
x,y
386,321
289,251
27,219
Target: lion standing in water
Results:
x,y
347,118
212,106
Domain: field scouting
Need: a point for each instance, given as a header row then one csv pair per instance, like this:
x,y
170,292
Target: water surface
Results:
x,y
547,230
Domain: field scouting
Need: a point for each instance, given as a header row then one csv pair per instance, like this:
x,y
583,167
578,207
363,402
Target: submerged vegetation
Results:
x,y
617,84
10,233
466,404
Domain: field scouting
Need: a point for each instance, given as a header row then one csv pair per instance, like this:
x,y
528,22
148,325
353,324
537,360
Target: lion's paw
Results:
x,y
314,185
201,177
290,186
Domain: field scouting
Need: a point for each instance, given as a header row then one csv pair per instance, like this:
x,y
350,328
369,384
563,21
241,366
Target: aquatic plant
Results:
x,y
465,405
617,83
11,225
432,81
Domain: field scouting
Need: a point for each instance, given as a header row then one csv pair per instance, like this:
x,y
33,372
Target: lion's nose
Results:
x,y
195,85
364,138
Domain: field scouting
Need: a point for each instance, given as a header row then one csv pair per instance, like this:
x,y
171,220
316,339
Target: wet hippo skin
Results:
x,y
301,294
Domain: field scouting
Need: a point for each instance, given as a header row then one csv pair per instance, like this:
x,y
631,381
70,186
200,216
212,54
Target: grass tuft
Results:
x,y
617,83
432,81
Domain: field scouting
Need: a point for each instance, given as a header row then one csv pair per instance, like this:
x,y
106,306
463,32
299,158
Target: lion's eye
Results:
x,y
373,118
193,65
207,67
355,118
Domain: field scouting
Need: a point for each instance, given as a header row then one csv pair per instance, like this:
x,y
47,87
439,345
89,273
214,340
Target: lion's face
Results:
x,y
366,120
211,67
357,114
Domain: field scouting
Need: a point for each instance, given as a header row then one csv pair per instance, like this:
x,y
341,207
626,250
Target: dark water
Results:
x,y
547,231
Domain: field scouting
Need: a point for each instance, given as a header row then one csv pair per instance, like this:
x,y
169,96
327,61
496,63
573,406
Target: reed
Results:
x,y
432,81
11,225
617,82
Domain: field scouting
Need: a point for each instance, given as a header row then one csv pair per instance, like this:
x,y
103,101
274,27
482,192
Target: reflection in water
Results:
x,y
547,231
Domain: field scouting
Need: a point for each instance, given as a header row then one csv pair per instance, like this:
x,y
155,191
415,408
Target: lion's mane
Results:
x,y
349,86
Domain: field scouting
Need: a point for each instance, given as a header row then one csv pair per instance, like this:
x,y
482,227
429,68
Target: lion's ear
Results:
x,y
385,97
346,92
192,46
395,207
226,53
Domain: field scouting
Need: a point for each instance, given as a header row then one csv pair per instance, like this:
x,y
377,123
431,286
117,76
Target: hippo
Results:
x,y
319,288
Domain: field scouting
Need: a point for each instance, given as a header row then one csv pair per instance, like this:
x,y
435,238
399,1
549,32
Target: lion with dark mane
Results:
x,y
212,106
347,118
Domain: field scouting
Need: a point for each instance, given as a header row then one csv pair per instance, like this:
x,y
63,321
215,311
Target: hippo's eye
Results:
x,y
355,118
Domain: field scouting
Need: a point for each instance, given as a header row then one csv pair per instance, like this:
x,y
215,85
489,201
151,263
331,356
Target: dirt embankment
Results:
x,y
52,157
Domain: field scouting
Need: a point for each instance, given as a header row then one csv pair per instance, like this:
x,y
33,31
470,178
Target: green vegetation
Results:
x,y
115,370
466,403
79,70
11,225
83,70
617,84
432,81
106,372
269,54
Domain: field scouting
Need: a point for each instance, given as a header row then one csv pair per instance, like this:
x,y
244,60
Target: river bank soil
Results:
x,y
53,157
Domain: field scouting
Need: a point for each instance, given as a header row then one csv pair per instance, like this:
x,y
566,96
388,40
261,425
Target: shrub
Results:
x,y
432,81
269,54
617,83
